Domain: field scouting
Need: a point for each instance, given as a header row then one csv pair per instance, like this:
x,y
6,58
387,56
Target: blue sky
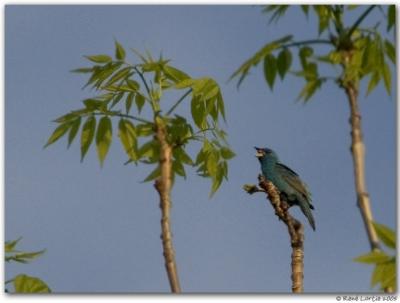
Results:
x,y
101,226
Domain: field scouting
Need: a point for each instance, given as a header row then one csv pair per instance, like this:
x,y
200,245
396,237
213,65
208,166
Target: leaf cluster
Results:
x,y
124,90
359,52
384,272
12,254
23,283
27,284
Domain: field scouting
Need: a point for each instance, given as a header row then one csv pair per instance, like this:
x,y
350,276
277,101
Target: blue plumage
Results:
x,y
288,182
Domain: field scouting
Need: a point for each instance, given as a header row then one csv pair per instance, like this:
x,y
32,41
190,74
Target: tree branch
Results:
x,y
360,19
116,114
163,187
358,153
178,102
295,229
143,79
305,42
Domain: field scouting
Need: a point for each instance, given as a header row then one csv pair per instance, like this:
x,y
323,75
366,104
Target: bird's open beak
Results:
x,y
259,152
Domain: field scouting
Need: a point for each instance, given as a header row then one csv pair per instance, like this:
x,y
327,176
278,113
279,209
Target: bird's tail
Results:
x,y
306,209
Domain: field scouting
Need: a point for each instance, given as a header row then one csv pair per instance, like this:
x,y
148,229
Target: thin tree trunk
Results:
x,y
163,186
295,229
358,153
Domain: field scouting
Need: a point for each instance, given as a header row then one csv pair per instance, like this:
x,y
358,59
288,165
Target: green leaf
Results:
x,y
74,130
211,90
121,74
279,11
139,100
211,109
257,57
389,275
386,77
309,89
334,57
212,163
304,53
133,84
68,117
117,98
226,153
147,150
391,17
106,97
305,9
105,72
128,102
99,58
153,175
385,234
58,133
220,105
127,135
87,136
390,51
27,284
93,104
178,168
199,113
373,257
137,53
82,70
119,51
181,156
175,74
144,130
103,138
24,257
217,180
185,83
373,82
284,62
377,274
351,7
323,12
10,245
270,70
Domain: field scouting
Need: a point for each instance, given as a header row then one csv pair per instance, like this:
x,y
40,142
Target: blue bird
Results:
x,y
292,189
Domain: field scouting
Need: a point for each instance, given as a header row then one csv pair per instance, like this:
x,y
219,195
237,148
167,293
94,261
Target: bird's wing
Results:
x,y
293,179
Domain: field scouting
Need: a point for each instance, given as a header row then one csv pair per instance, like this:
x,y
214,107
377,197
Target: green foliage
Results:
x,y
87,136
284,62
23,283
359,52
103,137
391,16
384,272
386,235
119,51
11,254
125,89
270,69
27,284
267,49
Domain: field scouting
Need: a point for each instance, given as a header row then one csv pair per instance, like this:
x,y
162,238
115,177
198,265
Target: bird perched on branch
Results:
x,y
291,188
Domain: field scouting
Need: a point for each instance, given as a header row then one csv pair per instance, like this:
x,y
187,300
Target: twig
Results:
x,y
305,42
143,79
178,102
360,19
116,114
295,229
